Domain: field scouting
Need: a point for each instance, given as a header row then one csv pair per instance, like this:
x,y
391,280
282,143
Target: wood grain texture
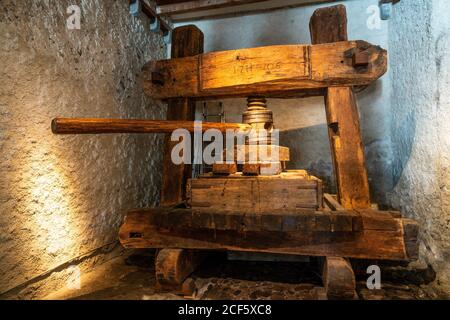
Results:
x,y
338,278
332,203
276,220
260,152
100,126
173,266
187,41
347,148
306,236
251,66
224,168
330,25
251,193
271,71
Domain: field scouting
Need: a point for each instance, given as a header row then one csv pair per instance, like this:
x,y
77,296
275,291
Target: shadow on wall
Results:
x,y
403,141
310,150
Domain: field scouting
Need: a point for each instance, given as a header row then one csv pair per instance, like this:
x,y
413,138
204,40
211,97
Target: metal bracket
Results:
x,y
135,7
386,8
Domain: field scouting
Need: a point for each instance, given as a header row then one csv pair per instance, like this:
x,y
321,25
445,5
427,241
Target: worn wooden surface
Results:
x,y
255,65
265,168
97,126
331,202
330,25
187,41
255,153
338,278
275,221
347,148
224,168
372,235
288,191
271,70
173,266
410,234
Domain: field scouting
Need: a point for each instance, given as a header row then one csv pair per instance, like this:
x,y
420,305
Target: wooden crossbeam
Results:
x,y
271,70
190,6
201,9
369,234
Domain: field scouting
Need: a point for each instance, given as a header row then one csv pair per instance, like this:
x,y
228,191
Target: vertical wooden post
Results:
x,y
173,266
186,41
330,25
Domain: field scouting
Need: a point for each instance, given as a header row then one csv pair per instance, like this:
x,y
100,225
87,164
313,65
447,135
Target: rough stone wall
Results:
x,y
303,121
420,63
61,197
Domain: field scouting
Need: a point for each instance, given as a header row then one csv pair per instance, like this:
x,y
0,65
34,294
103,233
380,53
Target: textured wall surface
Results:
x,y
303,121
420,63
63,196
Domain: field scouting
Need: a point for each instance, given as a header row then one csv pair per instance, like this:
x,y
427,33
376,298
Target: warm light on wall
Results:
x,y
51,219
53,225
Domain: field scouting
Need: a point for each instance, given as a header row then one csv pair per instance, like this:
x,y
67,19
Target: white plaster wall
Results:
x,y
420,64
63,196
303,120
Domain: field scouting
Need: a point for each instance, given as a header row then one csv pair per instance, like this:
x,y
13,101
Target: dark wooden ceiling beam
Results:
x,y
197,10
191,6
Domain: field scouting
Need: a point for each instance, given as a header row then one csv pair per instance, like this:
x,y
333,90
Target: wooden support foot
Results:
x,y
173,267
338,279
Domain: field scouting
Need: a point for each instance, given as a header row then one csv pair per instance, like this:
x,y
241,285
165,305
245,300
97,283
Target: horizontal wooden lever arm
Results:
x,y
97,126
270,71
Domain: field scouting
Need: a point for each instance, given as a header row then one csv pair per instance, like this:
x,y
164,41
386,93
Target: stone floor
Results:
x,y
131,277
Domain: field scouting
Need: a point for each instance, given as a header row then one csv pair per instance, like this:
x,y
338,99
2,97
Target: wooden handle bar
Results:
x,y
98,126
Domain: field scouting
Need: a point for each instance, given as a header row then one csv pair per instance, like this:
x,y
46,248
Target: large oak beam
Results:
x,y
270,71
330,25
374,235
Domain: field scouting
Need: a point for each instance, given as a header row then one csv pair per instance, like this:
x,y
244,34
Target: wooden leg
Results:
x,y
338,278
330,25
173,267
